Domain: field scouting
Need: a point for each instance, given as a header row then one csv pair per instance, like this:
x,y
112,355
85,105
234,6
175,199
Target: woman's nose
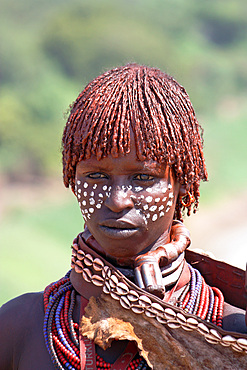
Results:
x,y
119,199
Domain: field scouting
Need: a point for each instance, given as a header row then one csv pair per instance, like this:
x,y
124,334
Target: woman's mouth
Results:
x,y
118,229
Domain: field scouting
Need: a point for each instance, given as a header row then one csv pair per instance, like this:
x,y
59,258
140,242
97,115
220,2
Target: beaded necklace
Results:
x,y
200,299
62,333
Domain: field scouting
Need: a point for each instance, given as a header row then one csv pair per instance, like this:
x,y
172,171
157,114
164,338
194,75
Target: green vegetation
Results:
x,y
35,246
51,49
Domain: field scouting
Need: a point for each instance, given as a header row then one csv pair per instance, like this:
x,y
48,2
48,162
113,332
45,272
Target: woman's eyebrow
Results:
x,y
101,167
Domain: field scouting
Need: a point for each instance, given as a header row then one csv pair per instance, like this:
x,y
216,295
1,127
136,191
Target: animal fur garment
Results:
x,y
162,347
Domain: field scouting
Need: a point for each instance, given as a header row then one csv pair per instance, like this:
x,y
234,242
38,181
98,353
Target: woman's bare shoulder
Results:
x,y
23,306
19,318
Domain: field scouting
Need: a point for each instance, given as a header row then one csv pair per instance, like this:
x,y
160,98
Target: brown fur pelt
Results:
x,y
162,348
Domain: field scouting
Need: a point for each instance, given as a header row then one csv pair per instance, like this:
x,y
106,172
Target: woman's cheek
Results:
x,y
90,197
151,204
155,205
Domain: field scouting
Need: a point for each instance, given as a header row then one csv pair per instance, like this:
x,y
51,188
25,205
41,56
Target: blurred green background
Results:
x,y
49,51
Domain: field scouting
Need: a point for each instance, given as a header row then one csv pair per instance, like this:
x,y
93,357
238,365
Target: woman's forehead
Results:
x,y
123,163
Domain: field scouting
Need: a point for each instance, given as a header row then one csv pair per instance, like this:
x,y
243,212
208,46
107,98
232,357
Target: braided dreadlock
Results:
x,y
155,107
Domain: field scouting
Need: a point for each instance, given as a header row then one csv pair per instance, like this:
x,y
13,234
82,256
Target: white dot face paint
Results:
x,y
138,188
154,217
169,204
150,207
151,202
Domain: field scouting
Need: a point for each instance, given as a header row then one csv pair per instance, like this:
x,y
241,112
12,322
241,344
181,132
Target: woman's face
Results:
x,y
127,204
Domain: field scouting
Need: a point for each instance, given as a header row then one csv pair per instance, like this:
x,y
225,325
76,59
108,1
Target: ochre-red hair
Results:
x,y
155,107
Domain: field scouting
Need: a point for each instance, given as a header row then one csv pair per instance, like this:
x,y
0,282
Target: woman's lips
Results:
x,y
118,229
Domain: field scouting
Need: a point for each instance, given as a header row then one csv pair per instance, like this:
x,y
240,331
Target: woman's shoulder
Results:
x,y
20,314
22,306
19,319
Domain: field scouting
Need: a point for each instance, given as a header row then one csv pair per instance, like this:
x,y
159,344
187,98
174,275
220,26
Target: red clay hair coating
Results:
x,y
155,107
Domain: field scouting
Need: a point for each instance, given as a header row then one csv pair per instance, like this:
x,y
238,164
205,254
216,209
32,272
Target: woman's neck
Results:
x,y
168,275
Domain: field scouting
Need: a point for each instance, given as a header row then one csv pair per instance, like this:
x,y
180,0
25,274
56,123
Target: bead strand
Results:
x,y
202,300
60,334
73,325
219,317
55,327
203,296
205,303
198,289
189,305
211,303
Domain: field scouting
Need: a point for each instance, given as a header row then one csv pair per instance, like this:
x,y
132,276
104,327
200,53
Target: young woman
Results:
x,y
132,155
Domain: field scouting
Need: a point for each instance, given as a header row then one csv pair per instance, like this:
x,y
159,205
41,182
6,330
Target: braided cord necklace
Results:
x,y
62,333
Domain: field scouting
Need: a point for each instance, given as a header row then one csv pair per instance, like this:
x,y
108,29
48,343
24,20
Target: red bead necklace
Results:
x,y
62,334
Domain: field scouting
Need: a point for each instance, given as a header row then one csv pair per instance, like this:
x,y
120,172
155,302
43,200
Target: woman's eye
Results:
x,y
144,177
96,175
